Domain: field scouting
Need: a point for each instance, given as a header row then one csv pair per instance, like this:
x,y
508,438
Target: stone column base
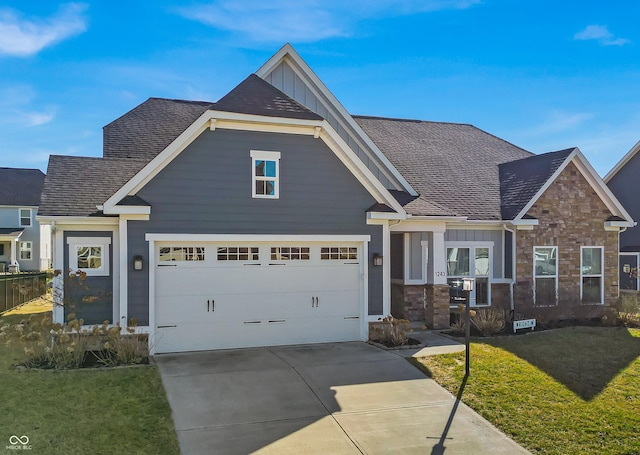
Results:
x,y
438,309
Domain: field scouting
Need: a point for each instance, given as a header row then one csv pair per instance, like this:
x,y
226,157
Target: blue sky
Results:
x,y
544,75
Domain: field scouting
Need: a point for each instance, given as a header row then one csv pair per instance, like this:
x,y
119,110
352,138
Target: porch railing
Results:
x,y
16,289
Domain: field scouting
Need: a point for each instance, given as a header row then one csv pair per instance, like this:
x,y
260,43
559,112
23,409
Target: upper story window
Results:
x,y
265,171
25,217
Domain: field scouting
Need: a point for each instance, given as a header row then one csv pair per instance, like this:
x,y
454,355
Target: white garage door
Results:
x,y
244,294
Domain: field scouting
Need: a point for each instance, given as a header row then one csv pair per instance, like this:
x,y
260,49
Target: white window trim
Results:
x,y
20,217
545,276
472,266
103,242
600,275
30,250
261,155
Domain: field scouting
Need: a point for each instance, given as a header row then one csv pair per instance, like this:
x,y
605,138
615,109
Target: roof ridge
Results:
x,y
398,119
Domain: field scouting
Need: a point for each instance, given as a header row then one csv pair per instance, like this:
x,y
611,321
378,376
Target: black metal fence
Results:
x,y
16,289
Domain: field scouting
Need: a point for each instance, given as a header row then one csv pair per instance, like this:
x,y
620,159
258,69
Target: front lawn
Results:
x,y
567,391
98,411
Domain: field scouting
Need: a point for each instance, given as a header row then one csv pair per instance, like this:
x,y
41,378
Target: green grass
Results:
x,y
566,391
97,411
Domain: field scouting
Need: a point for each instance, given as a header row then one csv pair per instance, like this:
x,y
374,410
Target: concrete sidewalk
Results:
x,y
338,398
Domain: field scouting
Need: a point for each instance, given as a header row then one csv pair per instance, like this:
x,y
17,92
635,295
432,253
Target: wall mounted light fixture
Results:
x,y
137,262
377,259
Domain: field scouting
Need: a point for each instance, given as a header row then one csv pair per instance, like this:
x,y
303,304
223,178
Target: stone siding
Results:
x,y
570,215
501,297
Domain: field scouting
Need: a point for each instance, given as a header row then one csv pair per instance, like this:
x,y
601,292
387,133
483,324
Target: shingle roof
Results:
x,y
520,180
454,167
75,185
150,127
256,96
11,232
20,186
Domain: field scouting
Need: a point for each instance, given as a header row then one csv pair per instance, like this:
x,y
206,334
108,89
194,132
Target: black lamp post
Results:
x,y
467,286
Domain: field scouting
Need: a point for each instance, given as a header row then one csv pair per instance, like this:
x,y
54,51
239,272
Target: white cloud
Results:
x,y
37,118
601,34
305,20
23,37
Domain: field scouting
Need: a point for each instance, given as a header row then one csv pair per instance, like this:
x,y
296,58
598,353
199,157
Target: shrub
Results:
x,y
391,331
489,321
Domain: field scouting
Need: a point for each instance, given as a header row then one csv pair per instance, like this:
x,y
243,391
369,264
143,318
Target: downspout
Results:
x,y
513,266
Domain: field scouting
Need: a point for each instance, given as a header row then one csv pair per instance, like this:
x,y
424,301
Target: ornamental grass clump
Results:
x,y
72,345
489,321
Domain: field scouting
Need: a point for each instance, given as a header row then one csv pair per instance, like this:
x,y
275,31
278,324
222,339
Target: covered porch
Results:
x,y
9,238
430,259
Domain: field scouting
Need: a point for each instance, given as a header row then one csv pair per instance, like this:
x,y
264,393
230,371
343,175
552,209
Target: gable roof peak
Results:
x,y
256,96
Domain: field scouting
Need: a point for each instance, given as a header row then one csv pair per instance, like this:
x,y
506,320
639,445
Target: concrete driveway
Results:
x,y
339,398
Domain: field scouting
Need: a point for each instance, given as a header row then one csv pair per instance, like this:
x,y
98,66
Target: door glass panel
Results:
x,y
482,262
482,291
458,261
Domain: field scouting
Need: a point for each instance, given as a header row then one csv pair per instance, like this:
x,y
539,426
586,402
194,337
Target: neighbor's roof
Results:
x,y
454,167
20,186
520,180
75,185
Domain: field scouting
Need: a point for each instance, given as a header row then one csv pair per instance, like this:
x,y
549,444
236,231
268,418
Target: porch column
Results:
x,y
439,256
437,294
13,252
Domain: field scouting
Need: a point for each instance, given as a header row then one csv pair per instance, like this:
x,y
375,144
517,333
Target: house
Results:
x,y
25,245
622,179
274,216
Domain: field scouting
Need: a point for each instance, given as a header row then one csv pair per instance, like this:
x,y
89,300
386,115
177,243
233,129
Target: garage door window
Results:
x,y
289,253
181,253
338,253
238,253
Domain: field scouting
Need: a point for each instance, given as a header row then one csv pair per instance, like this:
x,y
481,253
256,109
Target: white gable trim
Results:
x,y
247,122
623,162
594,180
300,67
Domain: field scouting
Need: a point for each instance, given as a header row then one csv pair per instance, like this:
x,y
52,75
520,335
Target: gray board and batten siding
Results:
x,y
207,190
100,288
625,185
284,78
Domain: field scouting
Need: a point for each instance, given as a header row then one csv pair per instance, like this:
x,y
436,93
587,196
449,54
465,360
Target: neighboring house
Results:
x,y
273,216
624,182
25,245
